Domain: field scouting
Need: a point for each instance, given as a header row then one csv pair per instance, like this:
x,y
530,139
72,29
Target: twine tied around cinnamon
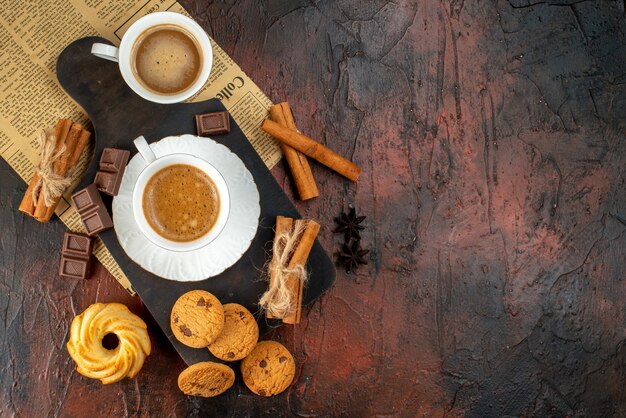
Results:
x,y
277,300
49,183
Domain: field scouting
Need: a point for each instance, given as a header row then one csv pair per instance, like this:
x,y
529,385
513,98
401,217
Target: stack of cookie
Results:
x,y
231,333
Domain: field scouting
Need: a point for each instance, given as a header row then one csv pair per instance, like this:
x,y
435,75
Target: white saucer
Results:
x,y
218,255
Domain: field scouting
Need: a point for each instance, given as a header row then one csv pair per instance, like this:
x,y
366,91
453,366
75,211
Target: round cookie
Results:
x,y
269,369
206,379
197,318
239,335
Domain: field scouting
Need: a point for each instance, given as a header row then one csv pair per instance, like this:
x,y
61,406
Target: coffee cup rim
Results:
x,y
163,18
137,202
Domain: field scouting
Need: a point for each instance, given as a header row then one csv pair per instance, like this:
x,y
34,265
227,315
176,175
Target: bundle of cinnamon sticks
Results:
x,y
296,147
68,140
293,242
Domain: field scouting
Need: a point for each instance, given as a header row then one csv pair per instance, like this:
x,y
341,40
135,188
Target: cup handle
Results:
x,y
108,52
144,149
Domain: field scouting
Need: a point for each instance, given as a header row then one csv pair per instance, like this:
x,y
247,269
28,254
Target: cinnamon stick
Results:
x,y
28,204
283,225
76,141
298,163
313,149
300,255
61,166
62,132
83,140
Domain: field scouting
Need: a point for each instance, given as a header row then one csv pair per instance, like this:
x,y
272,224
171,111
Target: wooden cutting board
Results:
x,y
119,116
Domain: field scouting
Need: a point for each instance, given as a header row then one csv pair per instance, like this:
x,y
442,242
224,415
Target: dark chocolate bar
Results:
x,y
112,165
216,123
92,211
76,256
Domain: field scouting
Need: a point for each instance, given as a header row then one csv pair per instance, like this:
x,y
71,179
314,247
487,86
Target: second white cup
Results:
x,y
124,54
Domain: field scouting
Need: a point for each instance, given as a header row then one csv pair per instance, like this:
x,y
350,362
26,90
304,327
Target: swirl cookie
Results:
x,y
239,336
88,352
269,369
206,379
197,318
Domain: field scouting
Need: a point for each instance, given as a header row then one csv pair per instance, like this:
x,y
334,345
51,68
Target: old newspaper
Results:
x,y
33,34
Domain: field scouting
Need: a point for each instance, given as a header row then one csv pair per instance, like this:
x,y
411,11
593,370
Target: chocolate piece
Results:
x,y
216,123
105,182
97,221
186,331
76,256
112,166
92,211
74,269
85,198
77,245
113,160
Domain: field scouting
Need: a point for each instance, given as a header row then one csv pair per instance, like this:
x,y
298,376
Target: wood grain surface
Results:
x,y
492,140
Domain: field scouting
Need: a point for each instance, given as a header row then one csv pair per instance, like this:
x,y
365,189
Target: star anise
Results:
x,y
351,255
350,224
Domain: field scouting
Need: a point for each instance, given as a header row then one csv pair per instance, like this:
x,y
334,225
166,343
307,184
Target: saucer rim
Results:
x,y
254,203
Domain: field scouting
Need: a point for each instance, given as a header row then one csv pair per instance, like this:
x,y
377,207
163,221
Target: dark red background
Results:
x,y
491,136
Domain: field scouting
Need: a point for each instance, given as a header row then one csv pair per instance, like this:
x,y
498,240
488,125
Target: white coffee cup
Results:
x,y
156,164
124,54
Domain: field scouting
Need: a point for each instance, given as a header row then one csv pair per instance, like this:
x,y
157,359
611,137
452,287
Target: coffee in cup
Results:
x,y
181,202
166,59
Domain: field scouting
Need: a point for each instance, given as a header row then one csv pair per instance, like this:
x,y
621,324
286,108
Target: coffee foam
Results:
x,y
167,60
181,203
